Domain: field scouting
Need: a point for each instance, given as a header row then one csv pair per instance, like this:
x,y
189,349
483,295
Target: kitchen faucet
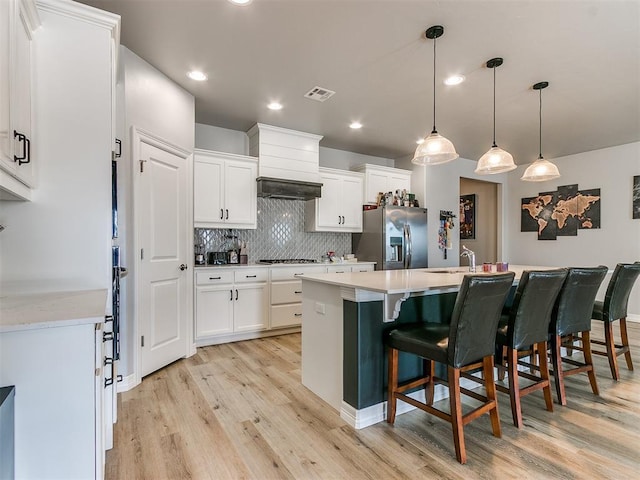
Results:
x,y
470,254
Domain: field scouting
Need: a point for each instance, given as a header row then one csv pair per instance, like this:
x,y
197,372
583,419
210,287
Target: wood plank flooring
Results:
x,y
239,411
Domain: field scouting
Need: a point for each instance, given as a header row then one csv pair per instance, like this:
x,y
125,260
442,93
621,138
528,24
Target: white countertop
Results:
x,y
282,265
407,281
52,309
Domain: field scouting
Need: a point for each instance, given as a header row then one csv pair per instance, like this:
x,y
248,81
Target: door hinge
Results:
x,y
142,340
142,165
142,254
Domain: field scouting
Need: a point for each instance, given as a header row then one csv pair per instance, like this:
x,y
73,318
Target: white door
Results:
x,y
162,222
240,190
351,199
208,188
329,204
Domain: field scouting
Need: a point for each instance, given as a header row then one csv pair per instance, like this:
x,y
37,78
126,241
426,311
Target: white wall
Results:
x,y
343,160
618,239
155,104
219,139
62,239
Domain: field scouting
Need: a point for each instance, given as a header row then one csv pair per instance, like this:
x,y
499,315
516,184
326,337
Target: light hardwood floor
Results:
x,y
239,411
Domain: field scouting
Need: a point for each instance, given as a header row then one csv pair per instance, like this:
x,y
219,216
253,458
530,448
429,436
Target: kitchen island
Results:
x,y
344,319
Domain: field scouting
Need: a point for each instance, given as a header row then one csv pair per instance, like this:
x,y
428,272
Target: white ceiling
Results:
x,y
374,54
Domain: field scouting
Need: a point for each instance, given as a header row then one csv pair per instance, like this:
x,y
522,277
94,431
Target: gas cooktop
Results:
x,y
288,260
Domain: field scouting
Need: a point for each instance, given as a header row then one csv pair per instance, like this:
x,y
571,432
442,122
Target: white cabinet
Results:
x,y
286,294
231,301
224,188
350,268
378,179
340,207
18,21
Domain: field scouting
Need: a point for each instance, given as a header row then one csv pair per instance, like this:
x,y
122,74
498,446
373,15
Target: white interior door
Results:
x,y
162,219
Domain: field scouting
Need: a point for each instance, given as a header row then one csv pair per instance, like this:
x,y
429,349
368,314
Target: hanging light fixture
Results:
x,y
496,160
435,148
541,169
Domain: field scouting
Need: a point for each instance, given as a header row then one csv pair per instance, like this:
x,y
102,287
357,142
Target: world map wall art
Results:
x,y
561,213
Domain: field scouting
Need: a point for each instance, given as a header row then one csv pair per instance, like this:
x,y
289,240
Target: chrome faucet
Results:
x,y
470,254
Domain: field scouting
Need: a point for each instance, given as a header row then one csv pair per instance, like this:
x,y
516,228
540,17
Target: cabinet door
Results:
x,y
21,95
240,194
328,211
351,203
376,182
214,310
6,155
399,181
251,303
208,193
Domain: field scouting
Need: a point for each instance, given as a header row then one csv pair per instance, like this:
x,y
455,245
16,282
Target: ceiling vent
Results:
x,y
319,94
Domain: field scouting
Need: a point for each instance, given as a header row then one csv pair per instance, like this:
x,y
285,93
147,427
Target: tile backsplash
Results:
x,y
280,234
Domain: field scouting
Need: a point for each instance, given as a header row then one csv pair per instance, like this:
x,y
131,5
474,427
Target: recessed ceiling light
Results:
x,y
454,80
355,125
274,106
197,75
241,2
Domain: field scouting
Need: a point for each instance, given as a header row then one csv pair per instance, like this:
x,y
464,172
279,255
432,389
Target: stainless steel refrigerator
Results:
x,y
393,237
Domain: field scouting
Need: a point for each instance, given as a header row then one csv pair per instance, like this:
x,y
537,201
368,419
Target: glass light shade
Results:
x,y
496,160
540,170
434,150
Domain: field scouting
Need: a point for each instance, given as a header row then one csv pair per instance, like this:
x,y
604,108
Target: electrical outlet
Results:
x,y
320,308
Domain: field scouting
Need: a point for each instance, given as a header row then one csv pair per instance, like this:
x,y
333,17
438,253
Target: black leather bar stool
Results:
x,y
572,316
526,325
467,340
614,308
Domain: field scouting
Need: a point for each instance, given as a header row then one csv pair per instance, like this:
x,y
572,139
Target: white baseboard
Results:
x,y
633,317
377,413
127,383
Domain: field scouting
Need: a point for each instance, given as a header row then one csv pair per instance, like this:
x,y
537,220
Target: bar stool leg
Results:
x,y
430,368
625,342
556,361
490,387
611,350
514,388
456,413
392,385
544,374
588,359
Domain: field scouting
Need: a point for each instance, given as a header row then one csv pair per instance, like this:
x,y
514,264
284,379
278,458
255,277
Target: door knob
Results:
x,y
183,266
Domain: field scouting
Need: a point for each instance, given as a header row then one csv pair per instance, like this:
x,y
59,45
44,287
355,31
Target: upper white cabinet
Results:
x,y
340,207
224,188
18,21
382,179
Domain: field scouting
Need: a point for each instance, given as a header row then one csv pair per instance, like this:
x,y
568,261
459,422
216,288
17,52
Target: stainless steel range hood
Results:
x,y
288,189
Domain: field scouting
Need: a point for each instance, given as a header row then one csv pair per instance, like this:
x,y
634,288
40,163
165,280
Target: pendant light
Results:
x,y
435,148
496,160
541,169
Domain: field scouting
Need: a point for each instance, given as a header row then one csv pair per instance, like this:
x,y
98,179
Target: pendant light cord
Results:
x,y
494,106
540,136
434,86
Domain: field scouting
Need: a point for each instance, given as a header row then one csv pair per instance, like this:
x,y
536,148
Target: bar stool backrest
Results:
x,y
474,322
572,311
617,297
532,305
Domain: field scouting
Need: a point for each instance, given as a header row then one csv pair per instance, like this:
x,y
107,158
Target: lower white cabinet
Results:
x,y
231,301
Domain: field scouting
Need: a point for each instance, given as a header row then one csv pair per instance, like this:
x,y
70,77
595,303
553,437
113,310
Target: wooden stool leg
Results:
x,y
625,342
570,343
514,389
586,345
556,361
544,374
611,350
392,385
501,371
428,388
490,387
456,413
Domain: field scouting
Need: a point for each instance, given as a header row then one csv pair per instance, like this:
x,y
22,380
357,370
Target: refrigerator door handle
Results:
x,y
408,247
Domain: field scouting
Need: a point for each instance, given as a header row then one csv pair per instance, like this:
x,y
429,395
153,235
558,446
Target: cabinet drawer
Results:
x,y
213,277
286,315
248,275
339,269
363,268
291,273
286,292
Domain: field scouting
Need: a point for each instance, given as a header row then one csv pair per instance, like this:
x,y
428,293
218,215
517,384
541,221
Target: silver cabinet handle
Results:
x,y
221,214
297,291
215,278
236,294
297,314
227,217
250,276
